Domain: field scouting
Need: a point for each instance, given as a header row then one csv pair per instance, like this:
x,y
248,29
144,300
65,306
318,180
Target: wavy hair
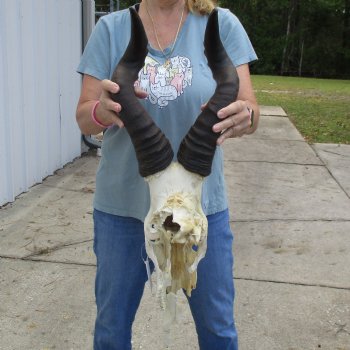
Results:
x,y
202,7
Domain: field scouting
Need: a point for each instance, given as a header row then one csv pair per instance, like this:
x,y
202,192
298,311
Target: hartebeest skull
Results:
x,y
175,226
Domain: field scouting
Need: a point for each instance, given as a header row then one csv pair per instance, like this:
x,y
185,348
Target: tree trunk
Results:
x,y
284,54
346,28
301,57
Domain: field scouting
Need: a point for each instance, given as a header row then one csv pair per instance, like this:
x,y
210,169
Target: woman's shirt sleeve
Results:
x,y
235,39
95,60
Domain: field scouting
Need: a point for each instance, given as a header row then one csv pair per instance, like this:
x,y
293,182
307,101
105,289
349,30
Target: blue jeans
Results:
x,y
121,276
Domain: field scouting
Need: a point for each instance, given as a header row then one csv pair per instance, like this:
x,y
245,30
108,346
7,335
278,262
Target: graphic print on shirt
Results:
x,y
165,82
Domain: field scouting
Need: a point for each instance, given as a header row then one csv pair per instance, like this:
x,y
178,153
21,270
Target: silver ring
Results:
x,y
251,115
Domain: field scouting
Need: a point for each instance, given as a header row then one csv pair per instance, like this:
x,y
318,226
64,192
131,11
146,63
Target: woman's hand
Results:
x,y
235,117
236,121
107,110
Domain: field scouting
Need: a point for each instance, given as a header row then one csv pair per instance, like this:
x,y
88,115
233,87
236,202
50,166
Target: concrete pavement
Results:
x,y
290,211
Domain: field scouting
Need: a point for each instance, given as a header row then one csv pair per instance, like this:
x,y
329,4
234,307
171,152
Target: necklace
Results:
x,y
156,34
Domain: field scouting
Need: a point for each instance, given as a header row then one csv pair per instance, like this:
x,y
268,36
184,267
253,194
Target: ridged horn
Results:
x,y
198,147
153,149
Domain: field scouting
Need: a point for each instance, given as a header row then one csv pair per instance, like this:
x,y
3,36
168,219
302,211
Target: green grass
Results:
x,y
319,108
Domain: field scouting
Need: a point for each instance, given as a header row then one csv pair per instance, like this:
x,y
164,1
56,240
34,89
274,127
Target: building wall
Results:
x,y
40,47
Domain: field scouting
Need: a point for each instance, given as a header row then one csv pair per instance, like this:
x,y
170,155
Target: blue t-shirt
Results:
x,y
177,88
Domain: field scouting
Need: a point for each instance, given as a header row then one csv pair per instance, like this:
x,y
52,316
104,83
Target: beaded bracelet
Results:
x,y
94,118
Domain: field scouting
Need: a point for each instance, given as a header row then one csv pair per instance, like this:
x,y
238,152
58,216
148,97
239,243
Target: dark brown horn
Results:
x,y
153,149
197,149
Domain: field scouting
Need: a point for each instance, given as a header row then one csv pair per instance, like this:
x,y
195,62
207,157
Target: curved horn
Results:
x,y
153,150
197,149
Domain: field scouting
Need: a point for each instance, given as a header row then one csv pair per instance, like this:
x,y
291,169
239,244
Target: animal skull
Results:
x,y
175,227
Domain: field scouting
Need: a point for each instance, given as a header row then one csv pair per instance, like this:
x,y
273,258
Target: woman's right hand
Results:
x,y
107,110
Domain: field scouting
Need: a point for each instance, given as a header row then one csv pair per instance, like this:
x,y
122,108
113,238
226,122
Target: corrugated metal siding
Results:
x,y
40,47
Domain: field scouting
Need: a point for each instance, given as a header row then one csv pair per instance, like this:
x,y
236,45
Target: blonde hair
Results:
x,y
202,7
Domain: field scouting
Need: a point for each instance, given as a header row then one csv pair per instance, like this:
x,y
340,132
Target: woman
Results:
x,y
174,83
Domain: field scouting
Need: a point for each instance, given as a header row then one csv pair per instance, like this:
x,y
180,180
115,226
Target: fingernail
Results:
x,y
220,114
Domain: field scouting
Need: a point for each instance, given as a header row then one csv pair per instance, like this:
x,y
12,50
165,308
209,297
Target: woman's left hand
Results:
x,y
236,121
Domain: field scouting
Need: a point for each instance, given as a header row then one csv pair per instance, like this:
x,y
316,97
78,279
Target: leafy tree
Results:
x,y
291,37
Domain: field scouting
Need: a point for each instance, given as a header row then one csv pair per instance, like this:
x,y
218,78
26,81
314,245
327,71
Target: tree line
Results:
x,y
291,37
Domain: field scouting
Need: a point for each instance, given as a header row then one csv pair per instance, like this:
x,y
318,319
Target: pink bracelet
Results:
x,y
94,118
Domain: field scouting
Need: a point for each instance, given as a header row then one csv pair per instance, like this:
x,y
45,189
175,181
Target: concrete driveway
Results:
x,y
290,211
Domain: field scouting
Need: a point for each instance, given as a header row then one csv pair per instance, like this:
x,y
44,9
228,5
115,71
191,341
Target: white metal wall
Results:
x,y
40,47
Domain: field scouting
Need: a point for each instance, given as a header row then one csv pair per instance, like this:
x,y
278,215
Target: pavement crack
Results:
x,y
85,189
338,154
289,220
337,182
275,162
319,285
342,328
46,250
329,170
72,263
262,138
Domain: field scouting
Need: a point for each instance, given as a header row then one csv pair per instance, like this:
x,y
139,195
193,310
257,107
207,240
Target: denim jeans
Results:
x,y
121,276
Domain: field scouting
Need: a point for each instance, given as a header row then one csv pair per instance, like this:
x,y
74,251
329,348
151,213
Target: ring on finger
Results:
x,y
251,116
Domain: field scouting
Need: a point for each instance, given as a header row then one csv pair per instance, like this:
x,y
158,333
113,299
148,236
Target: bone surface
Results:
x,y
176,228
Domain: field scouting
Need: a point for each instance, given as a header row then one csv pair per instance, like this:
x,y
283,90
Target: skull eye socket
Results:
x,y
170,225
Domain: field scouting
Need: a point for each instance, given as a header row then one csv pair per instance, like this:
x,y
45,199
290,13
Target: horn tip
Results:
x,y
132,10
213,16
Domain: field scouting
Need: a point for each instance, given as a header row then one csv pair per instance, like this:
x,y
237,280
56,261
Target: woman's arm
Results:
x,y
94,90
236,117
106,113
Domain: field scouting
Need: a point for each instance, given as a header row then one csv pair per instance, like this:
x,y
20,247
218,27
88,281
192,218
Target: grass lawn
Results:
x,y
319,108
